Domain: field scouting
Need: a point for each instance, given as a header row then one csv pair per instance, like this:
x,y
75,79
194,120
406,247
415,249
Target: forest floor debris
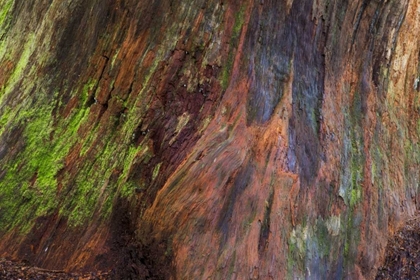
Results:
x,y
12,270
402,259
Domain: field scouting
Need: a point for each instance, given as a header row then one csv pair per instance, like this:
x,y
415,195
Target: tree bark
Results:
x,y
208,139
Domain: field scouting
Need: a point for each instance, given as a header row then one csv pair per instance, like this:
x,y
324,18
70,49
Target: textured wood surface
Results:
x,y
208,139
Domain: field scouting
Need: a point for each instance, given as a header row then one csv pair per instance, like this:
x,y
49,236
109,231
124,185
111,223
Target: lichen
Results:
x,y
333,225
297,251
182,122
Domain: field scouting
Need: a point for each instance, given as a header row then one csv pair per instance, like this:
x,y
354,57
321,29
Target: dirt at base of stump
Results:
x,y
11,270
403,254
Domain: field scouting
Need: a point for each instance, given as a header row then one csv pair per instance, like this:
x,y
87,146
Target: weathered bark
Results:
x,y
208,139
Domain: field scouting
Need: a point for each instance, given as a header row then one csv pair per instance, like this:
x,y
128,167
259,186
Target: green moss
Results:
x,y
346,249
354,146
86,91
352,177
323,238
23,61
226,71
127,187
156,171
236,32
291,264
95,187
5,117
89,140
352,239
114,58
37,164
107,206
83,203
412,151
92,191
355,196
47,143
5,8
19,68
30,186
131,154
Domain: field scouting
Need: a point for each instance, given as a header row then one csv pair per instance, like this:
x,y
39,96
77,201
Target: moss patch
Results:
x,y
5,8
236,32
